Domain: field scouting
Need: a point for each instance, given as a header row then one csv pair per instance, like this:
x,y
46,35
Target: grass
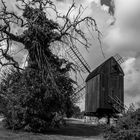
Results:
x,y
74,130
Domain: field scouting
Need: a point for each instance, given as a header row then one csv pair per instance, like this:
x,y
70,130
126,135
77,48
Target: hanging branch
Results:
x,y
72,28
7,18
39,32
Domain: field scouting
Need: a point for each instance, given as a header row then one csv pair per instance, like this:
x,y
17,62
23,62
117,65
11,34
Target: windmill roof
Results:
x,y
97,71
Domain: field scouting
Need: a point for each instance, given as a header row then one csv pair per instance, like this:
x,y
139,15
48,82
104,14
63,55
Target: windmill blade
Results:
x,y
80,88
118,58
80,91
78,59
72,52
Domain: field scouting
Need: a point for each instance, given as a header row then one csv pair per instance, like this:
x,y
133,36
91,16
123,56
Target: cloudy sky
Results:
x,y
121,31
123,37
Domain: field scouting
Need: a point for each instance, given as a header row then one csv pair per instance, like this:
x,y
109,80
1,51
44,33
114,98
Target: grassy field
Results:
x,y
75,130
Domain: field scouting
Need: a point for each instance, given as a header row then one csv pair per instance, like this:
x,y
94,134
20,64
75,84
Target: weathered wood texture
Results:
x,y
106,80
93,94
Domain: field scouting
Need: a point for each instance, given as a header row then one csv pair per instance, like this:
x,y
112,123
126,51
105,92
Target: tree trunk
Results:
x,y
108,119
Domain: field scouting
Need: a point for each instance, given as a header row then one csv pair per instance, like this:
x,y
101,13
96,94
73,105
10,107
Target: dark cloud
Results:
x,y
110,4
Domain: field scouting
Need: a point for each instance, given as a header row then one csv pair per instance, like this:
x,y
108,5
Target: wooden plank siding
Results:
x,y
106,80
93,94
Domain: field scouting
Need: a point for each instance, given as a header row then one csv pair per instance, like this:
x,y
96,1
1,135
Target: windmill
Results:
x,y
79,60
83,66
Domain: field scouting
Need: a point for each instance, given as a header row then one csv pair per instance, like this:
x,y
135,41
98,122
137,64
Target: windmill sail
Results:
x,y
80,88
83,66
119,59
78,59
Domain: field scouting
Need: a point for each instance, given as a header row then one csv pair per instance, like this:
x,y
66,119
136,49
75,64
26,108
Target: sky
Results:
x,y
123,38
120,34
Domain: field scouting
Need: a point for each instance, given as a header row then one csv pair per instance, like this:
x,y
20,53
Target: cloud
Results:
x,y
106,5
123,38
121,35
11,6
132,77
126,30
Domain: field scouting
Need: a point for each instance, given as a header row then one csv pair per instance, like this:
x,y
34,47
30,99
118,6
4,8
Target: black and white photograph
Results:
x,y
69,69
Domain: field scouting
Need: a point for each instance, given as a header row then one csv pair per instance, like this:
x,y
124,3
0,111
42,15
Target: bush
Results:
x,y
127,127
31,104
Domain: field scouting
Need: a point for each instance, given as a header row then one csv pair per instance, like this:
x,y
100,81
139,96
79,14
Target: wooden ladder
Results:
x,y
117,104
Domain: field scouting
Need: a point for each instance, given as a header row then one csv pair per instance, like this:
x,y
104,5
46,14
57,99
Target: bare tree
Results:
x,y
39,32
45,77
35,22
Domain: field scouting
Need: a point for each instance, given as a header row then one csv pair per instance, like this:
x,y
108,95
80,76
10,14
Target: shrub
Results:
x,y
30,103
127,127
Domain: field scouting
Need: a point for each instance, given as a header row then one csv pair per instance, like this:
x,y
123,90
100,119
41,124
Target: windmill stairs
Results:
x,y
117,104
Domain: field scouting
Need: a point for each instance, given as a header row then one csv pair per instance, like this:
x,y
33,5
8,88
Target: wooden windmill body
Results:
x,y
104,94
105,90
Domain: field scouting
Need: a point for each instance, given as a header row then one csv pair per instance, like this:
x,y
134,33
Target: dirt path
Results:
x,y
74,130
